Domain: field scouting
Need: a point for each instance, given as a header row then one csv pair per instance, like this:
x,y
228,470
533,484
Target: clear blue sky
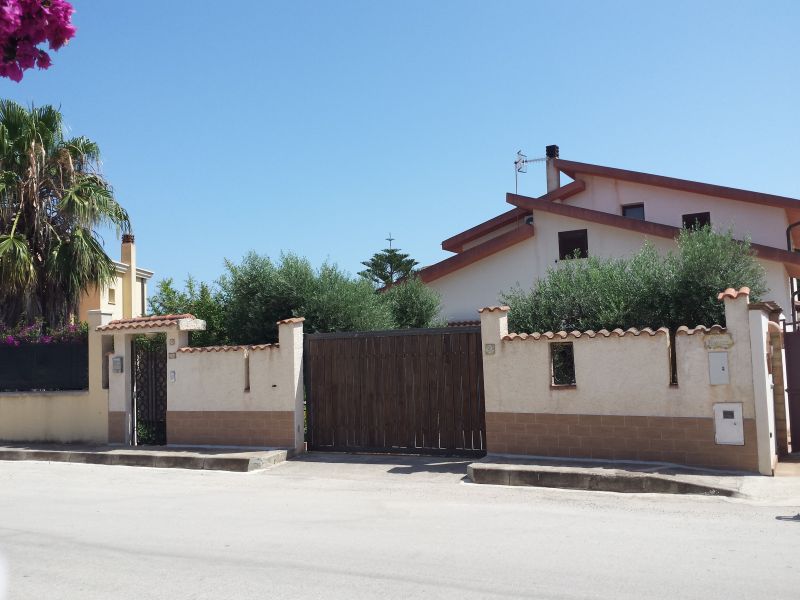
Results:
x,y
319,127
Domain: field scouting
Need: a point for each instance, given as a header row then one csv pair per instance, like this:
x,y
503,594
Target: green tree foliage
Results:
x,y
52,200
200,300
388,267
248,300
258,292
412,304
646,290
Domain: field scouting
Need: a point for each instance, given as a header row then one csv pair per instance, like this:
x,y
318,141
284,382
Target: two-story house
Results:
x,y
608,212
126,296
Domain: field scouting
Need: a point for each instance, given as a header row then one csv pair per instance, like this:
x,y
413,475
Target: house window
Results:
x,y
696,220
633,211
112,296
572,244
562,364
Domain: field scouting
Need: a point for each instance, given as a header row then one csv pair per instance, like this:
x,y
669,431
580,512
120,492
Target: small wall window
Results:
x,y
572,244
696,220
562,363
112,296
633,211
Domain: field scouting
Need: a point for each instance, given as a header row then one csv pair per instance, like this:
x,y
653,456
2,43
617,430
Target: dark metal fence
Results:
x,y
36,367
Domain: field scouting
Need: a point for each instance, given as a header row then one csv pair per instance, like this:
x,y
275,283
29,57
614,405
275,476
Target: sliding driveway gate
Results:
x,y
417,391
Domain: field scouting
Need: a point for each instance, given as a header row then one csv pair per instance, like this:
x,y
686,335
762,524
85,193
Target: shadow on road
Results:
x,y
400,464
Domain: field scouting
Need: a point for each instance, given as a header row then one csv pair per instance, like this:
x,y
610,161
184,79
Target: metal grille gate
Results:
x,y
149,383
409,391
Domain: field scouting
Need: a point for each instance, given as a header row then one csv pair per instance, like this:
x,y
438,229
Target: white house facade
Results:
x,y
608,212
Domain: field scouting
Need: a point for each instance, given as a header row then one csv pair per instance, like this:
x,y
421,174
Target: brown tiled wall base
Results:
x,y
116,427
231,428
682,440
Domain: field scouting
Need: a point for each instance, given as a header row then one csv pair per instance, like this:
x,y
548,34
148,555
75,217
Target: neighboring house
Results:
x,y
607,212
126,297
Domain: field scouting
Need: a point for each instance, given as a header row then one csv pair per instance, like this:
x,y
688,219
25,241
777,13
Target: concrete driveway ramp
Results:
x,y
599,478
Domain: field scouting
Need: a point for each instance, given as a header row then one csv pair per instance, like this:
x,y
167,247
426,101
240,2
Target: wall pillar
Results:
x,y
290,341
494,326
120,394
762,391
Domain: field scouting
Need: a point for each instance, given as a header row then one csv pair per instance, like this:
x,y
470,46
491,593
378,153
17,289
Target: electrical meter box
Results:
x,y
718,368
728,424
116,364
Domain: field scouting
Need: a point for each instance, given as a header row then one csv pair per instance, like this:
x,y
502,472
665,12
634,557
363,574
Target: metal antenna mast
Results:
x,y
390,239
521,166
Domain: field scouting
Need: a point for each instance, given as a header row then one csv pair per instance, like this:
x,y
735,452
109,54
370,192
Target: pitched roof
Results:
x,y
457,242
476,253
791,260
790,205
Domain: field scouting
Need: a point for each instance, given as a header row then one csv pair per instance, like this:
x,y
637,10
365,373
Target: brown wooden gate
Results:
x,y
417,391
791,344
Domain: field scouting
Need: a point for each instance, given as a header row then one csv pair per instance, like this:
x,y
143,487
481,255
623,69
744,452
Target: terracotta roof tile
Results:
x,y
145,322
474,323
683,329
292,320
733,294
494,309
192,350
549,335
265,347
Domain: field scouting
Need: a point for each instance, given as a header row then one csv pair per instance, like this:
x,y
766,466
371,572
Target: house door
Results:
x,y
149,383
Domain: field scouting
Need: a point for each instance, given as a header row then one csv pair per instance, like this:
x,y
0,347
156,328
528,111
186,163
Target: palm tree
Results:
x,y
52,200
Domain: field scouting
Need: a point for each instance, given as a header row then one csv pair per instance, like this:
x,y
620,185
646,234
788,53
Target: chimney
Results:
x,y
553,174
128,291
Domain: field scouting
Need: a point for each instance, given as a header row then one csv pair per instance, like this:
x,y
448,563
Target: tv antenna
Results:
x,y
390,239
521,166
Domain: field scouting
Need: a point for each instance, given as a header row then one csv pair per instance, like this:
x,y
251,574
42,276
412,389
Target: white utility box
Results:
x,y
728,424
718,368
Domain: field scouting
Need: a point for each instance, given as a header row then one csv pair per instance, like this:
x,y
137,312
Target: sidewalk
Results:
x,y
166,457
637,477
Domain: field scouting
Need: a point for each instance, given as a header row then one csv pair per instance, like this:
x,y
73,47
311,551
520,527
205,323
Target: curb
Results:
x,y
162,460
584,479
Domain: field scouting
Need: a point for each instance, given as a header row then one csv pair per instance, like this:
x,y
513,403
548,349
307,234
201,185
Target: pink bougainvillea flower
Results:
x,y
26,24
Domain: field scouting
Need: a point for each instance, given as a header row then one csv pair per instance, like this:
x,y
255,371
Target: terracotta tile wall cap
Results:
x,y
265,347
142,322
683,329
549,335
494,309
733,294
192,350
292,320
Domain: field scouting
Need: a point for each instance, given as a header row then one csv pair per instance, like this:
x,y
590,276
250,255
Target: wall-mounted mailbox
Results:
x,y
728,424
116,364
718,368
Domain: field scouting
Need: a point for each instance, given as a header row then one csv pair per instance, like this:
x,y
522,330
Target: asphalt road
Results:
x,y
361,527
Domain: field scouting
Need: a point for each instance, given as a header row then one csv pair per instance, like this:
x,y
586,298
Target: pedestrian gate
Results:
x,y
414,391
149,383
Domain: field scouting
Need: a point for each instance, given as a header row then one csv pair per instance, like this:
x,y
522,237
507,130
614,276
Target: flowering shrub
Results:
x,y
36,333
24,25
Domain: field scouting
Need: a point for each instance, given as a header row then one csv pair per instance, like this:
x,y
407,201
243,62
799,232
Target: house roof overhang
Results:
x,y
458,241
790,205
791,260
476,253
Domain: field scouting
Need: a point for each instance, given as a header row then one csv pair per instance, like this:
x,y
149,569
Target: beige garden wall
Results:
x,y
622,404
65,416
238,395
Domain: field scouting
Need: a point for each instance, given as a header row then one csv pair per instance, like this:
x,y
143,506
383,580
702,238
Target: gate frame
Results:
x,y
308,337
792,385
134,433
